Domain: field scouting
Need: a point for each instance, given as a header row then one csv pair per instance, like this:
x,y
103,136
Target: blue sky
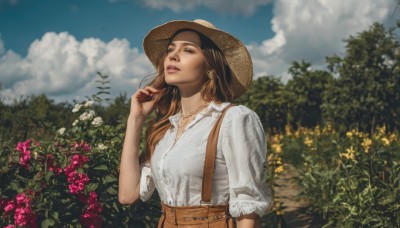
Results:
x,y
26,20
57,46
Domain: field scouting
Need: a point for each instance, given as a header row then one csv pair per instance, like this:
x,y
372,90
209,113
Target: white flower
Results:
x,y
101,146
83,116
86,115
91,114
76,108
75,123
97,121
89,103
61,131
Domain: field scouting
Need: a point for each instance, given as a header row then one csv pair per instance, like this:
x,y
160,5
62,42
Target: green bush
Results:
x,y
71,180
349,180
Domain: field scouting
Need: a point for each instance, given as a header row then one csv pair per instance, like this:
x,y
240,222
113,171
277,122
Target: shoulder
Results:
x,y
241,115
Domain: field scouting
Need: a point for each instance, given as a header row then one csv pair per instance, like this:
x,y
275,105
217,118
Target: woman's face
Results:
x,y
185,64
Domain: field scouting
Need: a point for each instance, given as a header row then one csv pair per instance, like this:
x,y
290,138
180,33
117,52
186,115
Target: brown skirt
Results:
x,y
195,216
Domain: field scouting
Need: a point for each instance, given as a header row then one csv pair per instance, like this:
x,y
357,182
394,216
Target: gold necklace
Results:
x,y
193,112
185,119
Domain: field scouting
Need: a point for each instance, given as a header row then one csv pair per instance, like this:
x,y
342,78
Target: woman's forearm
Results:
x,y
129,176
248,221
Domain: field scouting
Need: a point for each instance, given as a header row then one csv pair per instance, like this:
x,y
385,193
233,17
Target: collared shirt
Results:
x,y
176,168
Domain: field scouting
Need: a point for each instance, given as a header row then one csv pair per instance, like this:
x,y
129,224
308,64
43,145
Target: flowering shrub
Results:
x,y
349,180
69,181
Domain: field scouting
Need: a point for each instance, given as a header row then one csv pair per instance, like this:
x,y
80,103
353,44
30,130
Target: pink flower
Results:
x,y
9,226
50,165
23,148
85,147
20,198
91,216
78,181
23,214
10,206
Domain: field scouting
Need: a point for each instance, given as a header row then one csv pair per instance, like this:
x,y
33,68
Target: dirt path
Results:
x,y
286,191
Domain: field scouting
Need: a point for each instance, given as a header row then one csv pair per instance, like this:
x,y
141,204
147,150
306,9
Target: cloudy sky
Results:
x,y
56,47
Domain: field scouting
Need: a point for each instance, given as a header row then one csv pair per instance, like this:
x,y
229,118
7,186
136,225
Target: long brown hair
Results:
x,y
167,102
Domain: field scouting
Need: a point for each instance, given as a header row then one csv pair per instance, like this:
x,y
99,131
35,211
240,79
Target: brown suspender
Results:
x,y
209,164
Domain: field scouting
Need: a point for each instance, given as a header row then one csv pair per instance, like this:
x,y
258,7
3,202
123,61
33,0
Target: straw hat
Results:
x,y
238,58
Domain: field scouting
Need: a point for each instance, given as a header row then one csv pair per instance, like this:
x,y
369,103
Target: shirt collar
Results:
x,y
214,108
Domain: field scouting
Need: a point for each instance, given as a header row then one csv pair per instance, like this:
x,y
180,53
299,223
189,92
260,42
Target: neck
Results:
x,y
191,102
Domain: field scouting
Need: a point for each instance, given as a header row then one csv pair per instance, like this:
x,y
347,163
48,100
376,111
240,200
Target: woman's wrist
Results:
x,y
136,120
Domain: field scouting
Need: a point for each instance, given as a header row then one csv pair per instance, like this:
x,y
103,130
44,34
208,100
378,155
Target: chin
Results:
x,y
171,80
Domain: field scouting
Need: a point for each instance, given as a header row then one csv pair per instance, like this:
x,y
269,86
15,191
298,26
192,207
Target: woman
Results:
x,y
200,71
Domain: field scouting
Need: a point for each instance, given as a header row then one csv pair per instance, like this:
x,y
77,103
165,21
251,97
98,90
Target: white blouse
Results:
x,y
176,169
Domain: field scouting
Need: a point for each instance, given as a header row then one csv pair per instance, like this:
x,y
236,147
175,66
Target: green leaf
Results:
x,y
14,185
101,167
48,175
55,215
112,191
109,178
47,223
92,186
115,206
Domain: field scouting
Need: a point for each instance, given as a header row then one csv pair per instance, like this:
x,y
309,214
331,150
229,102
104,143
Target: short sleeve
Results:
x,y
244,149
147,185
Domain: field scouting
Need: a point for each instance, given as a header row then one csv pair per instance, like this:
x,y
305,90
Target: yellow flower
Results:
x,y
385,141
288,130
366,144
279,169
308,141
277,148
349,134
392,137
269,158
350,150
280,212
382,130
350,154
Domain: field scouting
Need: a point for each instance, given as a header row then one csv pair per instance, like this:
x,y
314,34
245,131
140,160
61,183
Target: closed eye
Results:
x,y
170,49
188,50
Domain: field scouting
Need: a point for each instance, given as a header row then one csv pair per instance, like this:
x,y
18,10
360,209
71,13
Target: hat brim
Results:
x,y
236,54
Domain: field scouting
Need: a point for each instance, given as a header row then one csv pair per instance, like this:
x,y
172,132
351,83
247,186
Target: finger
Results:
x,y
145,91
152,89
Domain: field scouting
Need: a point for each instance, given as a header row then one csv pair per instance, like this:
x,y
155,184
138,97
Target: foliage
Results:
x,y
349,180
304,94
367,92
71,180
33,117
266,96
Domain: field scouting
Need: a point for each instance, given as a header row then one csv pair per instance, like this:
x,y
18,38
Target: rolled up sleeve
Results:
x,y
244,149
147,185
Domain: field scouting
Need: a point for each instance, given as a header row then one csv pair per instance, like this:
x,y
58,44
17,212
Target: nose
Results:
x,y
173,55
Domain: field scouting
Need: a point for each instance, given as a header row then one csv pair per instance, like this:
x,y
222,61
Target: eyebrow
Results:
x,y
185,44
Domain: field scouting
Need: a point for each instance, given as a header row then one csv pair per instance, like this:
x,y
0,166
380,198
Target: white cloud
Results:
x,y
223,6
314,29
64,68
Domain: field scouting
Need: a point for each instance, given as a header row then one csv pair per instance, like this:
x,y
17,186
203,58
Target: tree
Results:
x,y
266,96
305,91
367,92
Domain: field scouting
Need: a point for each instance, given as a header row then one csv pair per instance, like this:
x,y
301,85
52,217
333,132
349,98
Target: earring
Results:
x,y
210,74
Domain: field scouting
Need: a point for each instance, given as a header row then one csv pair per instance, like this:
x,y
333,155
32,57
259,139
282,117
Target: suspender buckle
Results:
x,y
203,203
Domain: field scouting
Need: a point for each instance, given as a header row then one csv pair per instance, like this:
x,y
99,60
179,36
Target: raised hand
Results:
x,y
142,102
